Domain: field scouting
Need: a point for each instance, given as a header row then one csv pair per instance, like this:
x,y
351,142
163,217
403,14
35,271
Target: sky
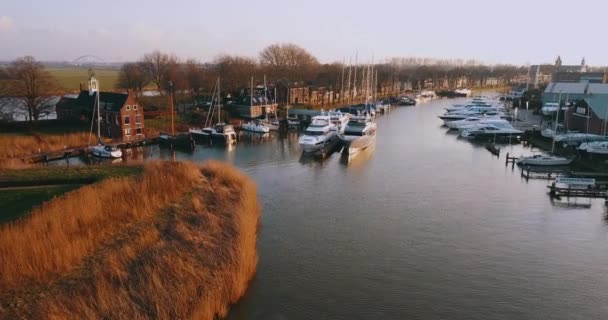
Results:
x,y
514,31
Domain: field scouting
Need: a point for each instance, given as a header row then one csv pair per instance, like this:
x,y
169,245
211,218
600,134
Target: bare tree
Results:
x,y
156,66
195,78
4,89
235,72
32,87
132,76
288,61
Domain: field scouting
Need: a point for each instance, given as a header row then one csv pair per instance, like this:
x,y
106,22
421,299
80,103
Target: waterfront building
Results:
x,y
588,104
122,117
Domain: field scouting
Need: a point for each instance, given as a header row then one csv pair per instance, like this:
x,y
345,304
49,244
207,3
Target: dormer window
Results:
x,y
134,107
128,108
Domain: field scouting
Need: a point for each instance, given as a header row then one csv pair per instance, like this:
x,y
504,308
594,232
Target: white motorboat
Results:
x,y
469,122
256,126
472,112
549,108
320,136
339,119
463,92
359,134
491,131
597,147
544,160
105,151
575,139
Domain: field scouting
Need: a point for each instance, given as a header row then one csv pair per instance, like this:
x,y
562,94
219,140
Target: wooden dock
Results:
x,y
558,192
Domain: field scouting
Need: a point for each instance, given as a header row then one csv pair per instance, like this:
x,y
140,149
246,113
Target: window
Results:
x,y
128,108
138,119
107,118
128,132
127,120
117,120
134,107
139,131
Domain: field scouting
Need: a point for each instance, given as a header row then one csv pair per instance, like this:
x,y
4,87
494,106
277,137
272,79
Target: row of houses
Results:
x,y
328,96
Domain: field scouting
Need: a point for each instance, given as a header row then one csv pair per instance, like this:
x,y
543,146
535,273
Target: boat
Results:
x,y
489,131
469,122
463,92
105,151
221,131
101,150
320,136
549,108
575,139
183,141
544,160
359,134
339,119
472,112
256,126
596,147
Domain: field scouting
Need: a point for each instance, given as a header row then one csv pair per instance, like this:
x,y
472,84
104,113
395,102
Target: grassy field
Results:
x,y
63,175
70,78
17,202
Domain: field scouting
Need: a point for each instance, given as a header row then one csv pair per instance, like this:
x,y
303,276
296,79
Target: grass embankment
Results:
x,y
61,175
70,78
17,202
179,241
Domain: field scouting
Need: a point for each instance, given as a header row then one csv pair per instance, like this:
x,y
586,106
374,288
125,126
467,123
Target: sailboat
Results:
x,y
101,150
172,140
255,125
221,131
547,160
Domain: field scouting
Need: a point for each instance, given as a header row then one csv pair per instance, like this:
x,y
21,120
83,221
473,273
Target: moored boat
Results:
x,y
360,134
320,136
544,160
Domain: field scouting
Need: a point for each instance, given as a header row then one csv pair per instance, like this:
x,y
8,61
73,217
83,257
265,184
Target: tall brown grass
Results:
x,y
12,146
178,242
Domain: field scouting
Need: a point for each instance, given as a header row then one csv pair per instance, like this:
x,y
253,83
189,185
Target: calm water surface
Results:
x,y
427,226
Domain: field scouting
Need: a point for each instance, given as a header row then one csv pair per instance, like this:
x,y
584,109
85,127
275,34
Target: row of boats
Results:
x,y
489,120
481,118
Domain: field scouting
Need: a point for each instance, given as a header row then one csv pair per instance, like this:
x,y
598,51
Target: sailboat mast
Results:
x,y
342,84
355,77
219,101
251,94
265,99
171,104
559,107
350,70
98,113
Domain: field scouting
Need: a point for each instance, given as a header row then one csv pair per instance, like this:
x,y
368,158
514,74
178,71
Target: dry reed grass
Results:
x,y
12,146
189,258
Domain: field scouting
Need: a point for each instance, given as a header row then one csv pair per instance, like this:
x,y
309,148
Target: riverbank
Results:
x,y
177,241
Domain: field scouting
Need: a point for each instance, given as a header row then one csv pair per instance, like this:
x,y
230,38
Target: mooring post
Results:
x,y
507,160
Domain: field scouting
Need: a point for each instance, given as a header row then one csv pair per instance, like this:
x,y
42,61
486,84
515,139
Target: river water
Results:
x,y
426,226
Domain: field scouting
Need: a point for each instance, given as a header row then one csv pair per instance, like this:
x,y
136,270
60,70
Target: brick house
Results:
x,y
122,117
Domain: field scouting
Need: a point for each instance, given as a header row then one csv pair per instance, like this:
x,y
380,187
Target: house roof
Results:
x,y
110,101
598,88
566,88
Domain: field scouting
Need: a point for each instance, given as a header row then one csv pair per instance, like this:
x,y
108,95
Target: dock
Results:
x,y
558,192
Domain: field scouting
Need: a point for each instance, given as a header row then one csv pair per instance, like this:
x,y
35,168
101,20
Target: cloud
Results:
x,y
6,23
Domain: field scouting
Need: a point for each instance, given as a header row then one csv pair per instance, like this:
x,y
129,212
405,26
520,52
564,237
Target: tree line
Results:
x,y
26,81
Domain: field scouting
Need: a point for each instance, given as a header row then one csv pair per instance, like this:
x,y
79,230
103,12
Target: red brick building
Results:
x,y
122,117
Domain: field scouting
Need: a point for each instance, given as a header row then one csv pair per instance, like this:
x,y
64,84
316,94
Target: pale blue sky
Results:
x,y
514,31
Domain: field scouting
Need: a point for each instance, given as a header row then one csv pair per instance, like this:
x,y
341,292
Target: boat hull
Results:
x,y
320,149
354,146
544,162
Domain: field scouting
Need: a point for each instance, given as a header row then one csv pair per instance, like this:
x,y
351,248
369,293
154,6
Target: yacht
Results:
x,y
339,119
544,160
221,132
575,139
549,108
457,124
320,136
256,126
597,147
360,134
491,131
472,112
105,151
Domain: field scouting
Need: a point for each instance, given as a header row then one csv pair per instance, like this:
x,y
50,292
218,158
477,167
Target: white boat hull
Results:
x,y
553,161
354,146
